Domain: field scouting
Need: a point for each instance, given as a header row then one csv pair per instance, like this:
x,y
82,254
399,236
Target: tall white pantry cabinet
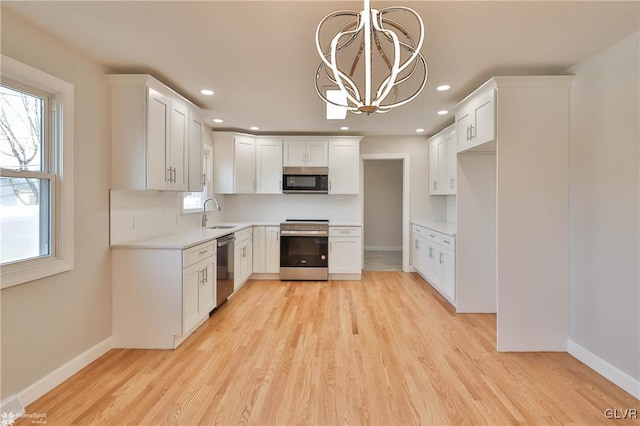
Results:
x,y
512,248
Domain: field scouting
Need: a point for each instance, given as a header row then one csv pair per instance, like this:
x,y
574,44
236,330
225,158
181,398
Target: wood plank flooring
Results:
x,y
386,351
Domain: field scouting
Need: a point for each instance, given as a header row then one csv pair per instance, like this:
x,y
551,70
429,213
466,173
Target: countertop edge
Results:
x,y
442,227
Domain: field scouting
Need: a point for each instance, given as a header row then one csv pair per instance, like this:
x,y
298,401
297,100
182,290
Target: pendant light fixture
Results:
x,y
392,71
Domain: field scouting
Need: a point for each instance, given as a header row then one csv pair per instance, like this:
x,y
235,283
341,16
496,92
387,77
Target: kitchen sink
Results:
x,y
221,227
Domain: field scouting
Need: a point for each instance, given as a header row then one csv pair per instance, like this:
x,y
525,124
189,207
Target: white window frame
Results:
x,y
207,167
60,114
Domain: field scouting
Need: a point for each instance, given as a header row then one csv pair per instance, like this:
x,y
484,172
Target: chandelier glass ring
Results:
x,y
375,30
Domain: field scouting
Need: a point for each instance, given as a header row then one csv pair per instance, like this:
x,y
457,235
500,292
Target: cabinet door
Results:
x,y
191,279
345,255
430,262
434,166
420,254
158,112
272,250
207,289
294,153
464,121
196,141
437,268
317,154
448,274
177,148
245,164
451,164
259,249
268,166
484,110
344,167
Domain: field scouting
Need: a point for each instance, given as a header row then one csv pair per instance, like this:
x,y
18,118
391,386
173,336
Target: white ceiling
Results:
x,y
260,58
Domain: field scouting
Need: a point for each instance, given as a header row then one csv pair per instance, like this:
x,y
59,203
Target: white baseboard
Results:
x,y
382,248
604,368
62,373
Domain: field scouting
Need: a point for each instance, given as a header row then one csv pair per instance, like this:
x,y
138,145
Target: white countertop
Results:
x,y
192,237
443,227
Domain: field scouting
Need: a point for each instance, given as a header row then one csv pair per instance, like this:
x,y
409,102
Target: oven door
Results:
x,y
304,257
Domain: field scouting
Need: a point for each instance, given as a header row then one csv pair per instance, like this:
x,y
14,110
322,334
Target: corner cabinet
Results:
x,y
161,296
434,258
344,166
150,134
234,163
442,162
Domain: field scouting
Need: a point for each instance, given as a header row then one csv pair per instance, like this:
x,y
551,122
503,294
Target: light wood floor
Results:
x,y
387,350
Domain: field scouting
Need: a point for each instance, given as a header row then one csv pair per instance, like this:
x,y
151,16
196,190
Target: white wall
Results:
x,y
47,322
383,204
604,211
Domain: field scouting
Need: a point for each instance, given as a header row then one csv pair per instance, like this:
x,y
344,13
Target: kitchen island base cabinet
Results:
x,y
160,296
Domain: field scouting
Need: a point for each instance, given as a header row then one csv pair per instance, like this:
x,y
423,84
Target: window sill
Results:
x,y
16,274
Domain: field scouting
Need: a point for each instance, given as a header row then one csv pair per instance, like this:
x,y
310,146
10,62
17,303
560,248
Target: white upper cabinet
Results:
x,y
305,153
197,177
234,163
475,121
344,166
268,165
442,162
149,134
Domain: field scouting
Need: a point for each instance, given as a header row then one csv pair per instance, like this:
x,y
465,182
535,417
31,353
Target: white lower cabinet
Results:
x,y
243,258
160,296
266,249
345,250
434,258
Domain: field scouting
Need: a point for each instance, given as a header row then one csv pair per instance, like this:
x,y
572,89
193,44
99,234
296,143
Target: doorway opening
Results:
x,y
385,212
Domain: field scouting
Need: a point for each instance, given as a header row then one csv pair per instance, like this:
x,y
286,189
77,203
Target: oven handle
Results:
x,y
304,233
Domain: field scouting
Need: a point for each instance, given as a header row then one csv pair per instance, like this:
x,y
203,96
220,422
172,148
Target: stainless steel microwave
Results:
x,y
305,180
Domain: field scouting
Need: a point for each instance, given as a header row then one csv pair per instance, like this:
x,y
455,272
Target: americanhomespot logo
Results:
x,y
7,419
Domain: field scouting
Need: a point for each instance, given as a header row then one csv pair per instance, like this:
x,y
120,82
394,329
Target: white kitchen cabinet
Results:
x,y
266,249
243,257
442,162
197,177
234,163
345,251
434,259
344,166
160,296
198,285
305,153
476,121
149,134
268,165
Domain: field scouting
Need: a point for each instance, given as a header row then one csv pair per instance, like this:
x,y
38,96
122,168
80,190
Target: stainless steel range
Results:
x,y
304,250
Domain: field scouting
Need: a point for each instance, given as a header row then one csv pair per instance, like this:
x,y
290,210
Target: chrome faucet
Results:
x,y
204,210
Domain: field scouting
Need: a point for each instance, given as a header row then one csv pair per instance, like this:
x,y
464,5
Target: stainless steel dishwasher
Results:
x,y
224,285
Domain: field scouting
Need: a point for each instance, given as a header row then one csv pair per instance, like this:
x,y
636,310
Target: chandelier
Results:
x,y
394,71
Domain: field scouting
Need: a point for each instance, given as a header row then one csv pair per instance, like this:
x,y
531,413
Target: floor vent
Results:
x,y
11,410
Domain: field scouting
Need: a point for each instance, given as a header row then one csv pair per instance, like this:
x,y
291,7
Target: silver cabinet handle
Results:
x,y
468,137
440,258
472,132
204,179
452,183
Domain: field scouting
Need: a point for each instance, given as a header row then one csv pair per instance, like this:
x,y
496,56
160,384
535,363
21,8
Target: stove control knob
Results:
x,y
323,257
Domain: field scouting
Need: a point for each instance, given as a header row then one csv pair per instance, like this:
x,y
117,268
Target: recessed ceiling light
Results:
x,y
344,128
443,87
443,112
206,92
254,128
218,120
419,130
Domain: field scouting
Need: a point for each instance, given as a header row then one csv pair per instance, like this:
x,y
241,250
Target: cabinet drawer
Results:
x,y
345,231
243,235
420,231
448,242
434,236
198,253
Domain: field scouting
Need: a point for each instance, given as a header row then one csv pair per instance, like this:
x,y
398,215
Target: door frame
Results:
x,y
405,200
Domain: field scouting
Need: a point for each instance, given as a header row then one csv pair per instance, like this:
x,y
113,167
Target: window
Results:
x,y
36,216
192,201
